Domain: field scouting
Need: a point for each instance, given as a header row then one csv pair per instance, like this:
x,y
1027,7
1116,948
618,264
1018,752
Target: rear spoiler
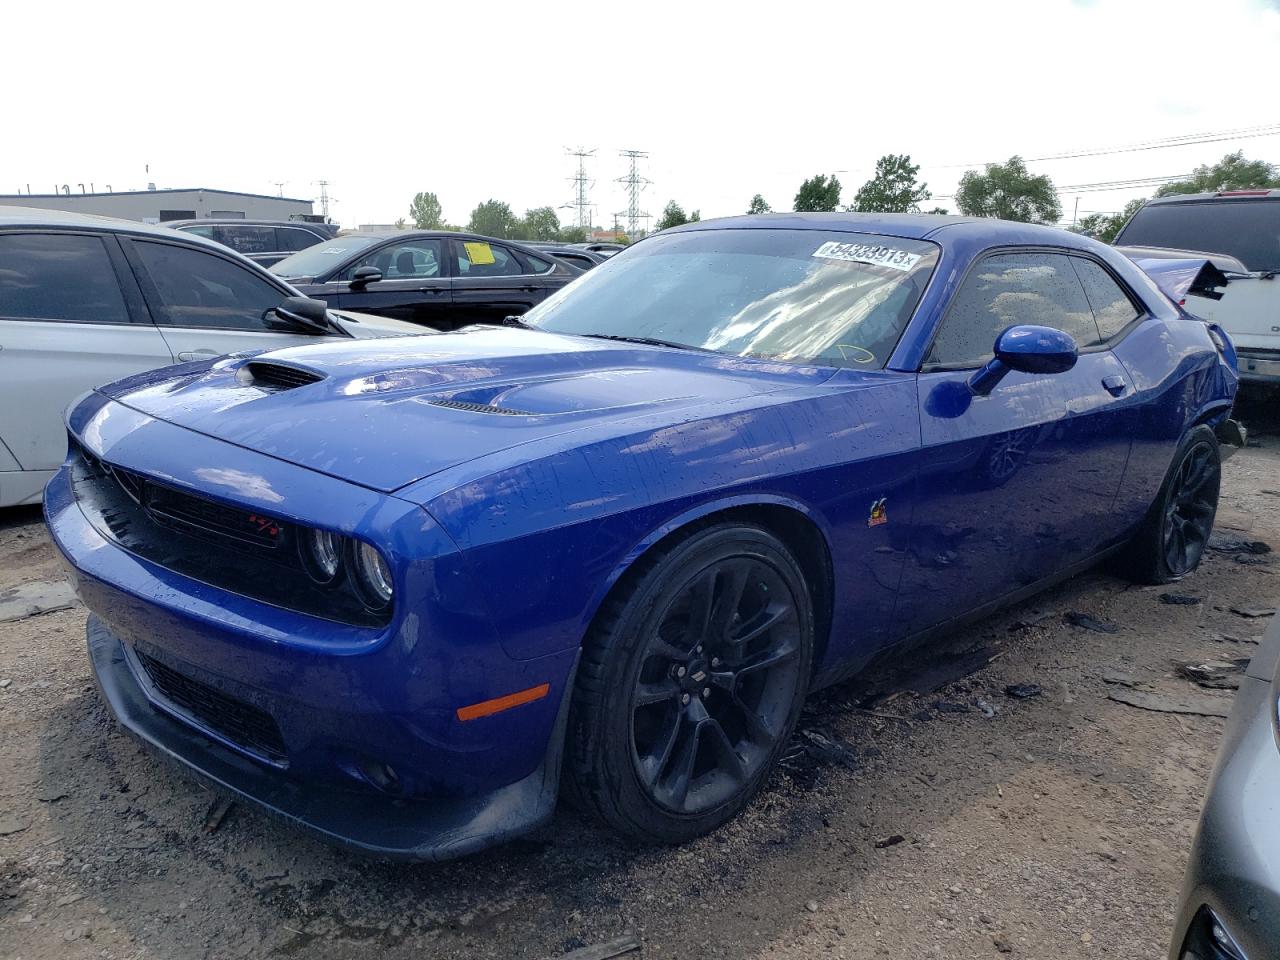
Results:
x,y
1179,278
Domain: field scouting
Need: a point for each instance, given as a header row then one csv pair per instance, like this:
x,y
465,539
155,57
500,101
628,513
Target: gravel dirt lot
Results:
x,y
1056,827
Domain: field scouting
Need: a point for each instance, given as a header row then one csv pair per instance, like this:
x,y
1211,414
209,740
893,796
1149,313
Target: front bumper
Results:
x,y
350,730
373,823
1234,869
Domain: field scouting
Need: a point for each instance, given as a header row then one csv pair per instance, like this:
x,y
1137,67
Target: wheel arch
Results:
x,y
804,532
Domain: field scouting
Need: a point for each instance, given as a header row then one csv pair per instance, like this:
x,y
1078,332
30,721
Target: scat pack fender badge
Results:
x,y
879,514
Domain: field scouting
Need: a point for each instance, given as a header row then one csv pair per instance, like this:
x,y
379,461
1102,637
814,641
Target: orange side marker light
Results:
x,y
487,708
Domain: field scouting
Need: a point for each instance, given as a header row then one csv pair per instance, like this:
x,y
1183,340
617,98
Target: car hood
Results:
x,y
365,325
386,413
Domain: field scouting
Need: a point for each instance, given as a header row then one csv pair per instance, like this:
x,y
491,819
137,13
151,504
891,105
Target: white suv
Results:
x,y
87,300
1239,230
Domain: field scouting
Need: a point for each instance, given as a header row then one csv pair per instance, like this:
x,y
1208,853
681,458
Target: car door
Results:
x,y
413,282
491,282
70,320
1018,485
205,304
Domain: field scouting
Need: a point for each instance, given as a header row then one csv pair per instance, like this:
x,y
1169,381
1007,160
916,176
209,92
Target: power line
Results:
x,y
1182,140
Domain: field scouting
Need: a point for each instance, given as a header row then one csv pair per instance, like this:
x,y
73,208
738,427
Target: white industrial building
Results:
x,y
157,206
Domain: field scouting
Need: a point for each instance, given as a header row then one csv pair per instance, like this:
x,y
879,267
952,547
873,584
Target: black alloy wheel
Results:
x,y
1190,507
690,684
716,685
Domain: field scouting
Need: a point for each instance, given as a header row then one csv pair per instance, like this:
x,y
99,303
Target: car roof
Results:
x,y
915,226
61,219
37,218
1261,193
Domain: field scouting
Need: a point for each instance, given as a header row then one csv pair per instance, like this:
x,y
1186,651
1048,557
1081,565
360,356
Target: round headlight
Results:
x,y
373,576
322,552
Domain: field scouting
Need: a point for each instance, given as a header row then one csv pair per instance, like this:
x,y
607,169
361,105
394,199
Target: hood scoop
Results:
x,y
472,407
279,376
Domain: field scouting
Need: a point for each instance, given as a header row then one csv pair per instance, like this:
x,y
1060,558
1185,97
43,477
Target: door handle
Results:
x,y
435,290
187,355
1115,384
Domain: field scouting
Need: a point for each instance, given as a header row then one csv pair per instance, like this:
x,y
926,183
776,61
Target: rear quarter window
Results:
x,y
59,277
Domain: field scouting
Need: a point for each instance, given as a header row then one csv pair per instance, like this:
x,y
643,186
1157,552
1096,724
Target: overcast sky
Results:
x,y
479,99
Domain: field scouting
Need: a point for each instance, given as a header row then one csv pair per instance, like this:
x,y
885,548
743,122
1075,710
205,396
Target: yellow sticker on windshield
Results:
x,y
478,251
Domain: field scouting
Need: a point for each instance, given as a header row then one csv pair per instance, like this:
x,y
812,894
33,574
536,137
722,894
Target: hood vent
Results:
x,y
278,376
481,408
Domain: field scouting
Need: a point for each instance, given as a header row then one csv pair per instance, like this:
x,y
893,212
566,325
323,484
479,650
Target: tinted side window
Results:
x,y
479,258
1248,230
407,260
1009,289
295,238
246,239
51,277
200,289
1112,307
537,264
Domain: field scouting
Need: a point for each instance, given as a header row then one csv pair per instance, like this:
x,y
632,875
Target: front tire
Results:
x,y
1172,539
690,684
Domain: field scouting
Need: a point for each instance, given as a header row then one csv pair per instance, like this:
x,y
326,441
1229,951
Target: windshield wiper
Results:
x,y
647,341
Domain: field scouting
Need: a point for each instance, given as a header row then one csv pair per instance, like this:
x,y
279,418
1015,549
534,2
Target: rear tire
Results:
x,y
1175,532
690,685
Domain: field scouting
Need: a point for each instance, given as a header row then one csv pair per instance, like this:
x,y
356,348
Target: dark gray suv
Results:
x,y
263,241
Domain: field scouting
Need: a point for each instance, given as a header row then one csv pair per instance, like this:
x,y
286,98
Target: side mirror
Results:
x,y
1028,349
364,276
305,312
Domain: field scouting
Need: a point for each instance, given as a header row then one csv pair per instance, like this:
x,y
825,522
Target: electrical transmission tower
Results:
x,y
634,184
581,184
324,199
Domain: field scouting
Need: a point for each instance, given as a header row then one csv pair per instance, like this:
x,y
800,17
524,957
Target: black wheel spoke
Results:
x,y
702,595
729,590
734,763
658,763
761,623
767,661
758,731
647,694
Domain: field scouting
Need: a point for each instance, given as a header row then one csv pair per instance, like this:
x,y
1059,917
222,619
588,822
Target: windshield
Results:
x,y
838,299
324,256
1248,230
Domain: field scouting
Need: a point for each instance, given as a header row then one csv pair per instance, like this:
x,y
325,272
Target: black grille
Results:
x,y
216,543
169,506
481,408
278,376
243,724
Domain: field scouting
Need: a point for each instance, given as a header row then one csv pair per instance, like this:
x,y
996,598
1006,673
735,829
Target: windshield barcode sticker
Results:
x,y
880,256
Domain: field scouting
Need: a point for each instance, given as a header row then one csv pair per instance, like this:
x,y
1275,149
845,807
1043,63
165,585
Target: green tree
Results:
x,y
820,194
401,223
541,223
574,234
893,189
673,215
939,211
1232,172
493,218
758,205
1008,191
426,211
1105,226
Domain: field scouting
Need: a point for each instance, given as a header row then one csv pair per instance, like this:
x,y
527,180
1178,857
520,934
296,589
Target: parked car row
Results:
x,y
86,300
439,279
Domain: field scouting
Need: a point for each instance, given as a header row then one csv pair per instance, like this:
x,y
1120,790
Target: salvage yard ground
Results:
x,y
1034,808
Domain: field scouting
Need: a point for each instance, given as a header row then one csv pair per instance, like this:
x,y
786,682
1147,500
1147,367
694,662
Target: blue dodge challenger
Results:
x,y
406,591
